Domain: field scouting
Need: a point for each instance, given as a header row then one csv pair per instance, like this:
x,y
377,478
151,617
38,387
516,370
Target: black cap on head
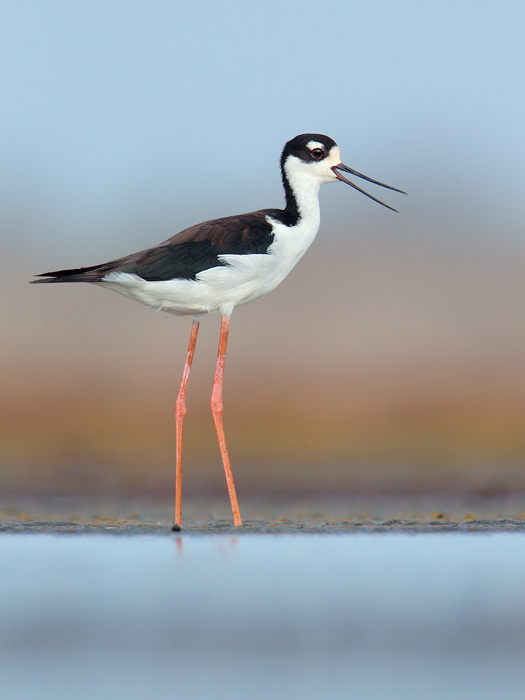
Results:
x,y
298,147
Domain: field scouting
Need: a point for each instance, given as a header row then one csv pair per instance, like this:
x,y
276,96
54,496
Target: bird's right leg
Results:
x,y
216,409
180,414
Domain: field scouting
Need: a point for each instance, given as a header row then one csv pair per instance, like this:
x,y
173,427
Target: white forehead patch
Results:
x,y
315,144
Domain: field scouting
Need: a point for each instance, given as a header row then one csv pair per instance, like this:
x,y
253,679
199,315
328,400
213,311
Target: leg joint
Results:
x,y
180,407
216,405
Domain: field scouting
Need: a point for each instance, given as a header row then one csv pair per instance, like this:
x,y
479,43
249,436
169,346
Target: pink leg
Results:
x,y
216,409
180,414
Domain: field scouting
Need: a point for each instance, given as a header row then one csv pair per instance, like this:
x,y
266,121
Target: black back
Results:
x,y
187,253
199,247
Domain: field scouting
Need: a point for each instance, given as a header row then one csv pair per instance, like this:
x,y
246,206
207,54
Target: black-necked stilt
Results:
x,y
216,265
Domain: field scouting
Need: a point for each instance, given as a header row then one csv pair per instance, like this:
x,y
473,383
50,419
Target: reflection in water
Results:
x,y
263,616
223,545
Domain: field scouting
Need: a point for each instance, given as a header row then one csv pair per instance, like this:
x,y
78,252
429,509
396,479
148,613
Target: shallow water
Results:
x,y
262,616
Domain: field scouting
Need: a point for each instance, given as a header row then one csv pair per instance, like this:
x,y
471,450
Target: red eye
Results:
x,y
317,153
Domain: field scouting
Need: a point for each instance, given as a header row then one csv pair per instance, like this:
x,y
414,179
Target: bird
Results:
x,y
216,265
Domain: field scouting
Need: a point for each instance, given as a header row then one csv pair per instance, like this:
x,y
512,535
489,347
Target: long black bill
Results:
x,y
338,175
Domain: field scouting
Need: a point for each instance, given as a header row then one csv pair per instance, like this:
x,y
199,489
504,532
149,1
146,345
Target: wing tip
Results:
x,y
80,274
45,277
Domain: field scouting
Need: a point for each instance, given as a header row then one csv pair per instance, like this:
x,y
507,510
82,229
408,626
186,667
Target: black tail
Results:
x,y
81,274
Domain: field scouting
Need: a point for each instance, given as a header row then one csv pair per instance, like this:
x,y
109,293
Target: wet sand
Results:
x,y
430,513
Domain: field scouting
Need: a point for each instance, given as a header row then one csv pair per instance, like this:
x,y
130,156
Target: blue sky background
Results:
x,y
124,122
127,121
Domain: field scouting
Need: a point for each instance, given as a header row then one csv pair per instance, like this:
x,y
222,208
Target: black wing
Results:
x,y
187,253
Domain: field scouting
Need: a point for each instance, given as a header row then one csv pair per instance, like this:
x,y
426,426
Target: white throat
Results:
x,y
305,180
306,193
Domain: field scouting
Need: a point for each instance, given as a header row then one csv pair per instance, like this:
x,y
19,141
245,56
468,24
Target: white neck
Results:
x,y
307,197
304,187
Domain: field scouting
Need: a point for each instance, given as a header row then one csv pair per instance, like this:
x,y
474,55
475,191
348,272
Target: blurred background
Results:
x,y
390,360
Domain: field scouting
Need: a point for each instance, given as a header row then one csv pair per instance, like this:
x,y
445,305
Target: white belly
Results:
x,y
219,289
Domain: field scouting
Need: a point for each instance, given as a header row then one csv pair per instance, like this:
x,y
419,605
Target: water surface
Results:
x,y
260,616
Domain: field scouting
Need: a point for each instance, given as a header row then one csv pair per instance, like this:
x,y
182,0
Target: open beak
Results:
x,y
346,169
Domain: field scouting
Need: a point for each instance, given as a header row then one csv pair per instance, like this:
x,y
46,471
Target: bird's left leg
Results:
x,y
216,409
180,414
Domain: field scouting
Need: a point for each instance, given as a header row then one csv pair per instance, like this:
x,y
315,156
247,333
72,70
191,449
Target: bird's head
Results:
x,y
316,159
